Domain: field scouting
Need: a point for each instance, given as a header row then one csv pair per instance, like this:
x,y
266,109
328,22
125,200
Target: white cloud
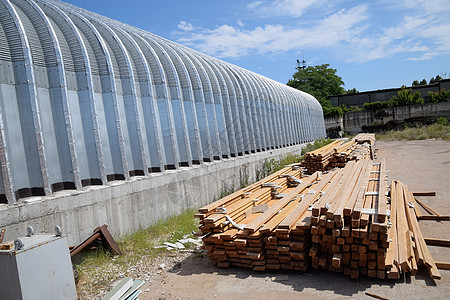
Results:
x,y
228,41
185,26
425,56
294,8
425,6
254,4
415,28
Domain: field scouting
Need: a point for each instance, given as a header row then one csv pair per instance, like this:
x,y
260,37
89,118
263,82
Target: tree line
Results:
x,y
321,81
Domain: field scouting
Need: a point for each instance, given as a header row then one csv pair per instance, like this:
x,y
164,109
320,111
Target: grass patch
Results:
x,y
98,269
273,165
439,130
316,145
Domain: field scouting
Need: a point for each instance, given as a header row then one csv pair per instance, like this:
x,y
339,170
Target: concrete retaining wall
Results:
x,y
359,99
359,121
129,206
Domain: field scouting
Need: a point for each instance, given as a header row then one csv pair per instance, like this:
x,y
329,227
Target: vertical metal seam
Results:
x,y
6,168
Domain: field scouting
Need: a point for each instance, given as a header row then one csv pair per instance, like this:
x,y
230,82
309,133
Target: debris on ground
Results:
x,y
101,235
125,289
181,244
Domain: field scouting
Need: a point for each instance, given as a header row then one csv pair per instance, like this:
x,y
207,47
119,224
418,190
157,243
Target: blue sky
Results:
x,y
372,44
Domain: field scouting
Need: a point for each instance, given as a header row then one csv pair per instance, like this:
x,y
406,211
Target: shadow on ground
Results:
x,y
319,280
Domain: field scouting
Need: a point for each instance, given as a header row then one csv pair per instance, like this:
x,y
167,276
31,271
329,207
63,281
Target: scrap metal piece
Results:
x,y
101,234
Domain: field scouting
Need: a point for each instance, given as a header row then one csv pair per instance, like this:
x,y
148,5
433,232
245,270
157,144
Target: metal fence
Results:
x,y
85,100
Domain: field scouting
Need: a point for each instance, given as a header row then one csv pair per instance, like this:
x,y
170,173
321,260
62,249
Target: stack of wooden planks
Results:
x,y
338,153
341,220
408,249
318,160
349,227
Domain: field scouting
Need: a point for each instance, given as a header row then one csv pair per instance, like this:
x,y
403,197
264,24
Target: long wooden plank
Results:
x,y
328,199
443,265
323,200
427,258
344,188
350,192
255,224
292,218
427,207
223,201
413,224
391,259
402,228
381,204
361,194
437,242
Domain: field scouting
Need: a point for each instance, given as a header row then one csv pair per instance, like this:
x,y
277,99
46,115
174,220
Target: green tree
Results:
x,y
352,91
432,80
415,83
423,82
437,78
405,97
320,81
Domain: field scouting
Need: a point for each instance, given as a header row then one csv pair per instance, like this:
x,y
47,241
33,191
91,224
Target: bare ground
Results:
x,y
422,165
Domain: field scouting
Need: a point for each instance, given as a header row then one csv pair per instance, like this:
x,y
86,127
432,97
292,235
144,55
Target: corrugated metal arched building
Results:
x,y
85,100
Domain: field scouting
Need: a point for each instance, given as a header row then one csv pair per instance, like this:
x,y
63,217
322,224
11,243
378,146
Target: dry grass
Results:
x,y
434,131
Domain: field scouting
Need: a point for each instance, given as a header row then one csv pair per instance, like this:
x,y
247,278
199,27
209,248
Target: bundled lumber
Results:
x,y
341,220
339,152
408,249
319,159
349,228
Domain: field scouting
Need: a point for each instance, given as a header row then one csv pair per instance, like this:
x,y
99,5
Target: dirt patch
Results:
x,y
422,165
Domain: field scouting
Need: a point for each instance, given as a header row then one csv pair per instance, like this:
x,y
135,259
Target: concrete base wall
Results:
x,y
334,126
359,121
359,99
129,206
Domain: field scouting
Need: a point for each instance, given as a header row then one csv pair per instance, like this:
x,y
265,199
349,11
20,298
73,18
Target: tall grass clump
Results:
x,y
438,130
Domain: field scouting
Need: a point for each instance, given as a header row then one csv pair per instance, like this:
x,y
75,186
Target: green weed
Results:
x,y
439,130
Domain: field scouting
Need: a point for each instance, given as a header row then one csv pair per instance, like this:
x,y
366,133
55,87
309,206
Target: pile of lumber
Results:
x,y
319,159
341,220
364,138
408,249
339,152
349,227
